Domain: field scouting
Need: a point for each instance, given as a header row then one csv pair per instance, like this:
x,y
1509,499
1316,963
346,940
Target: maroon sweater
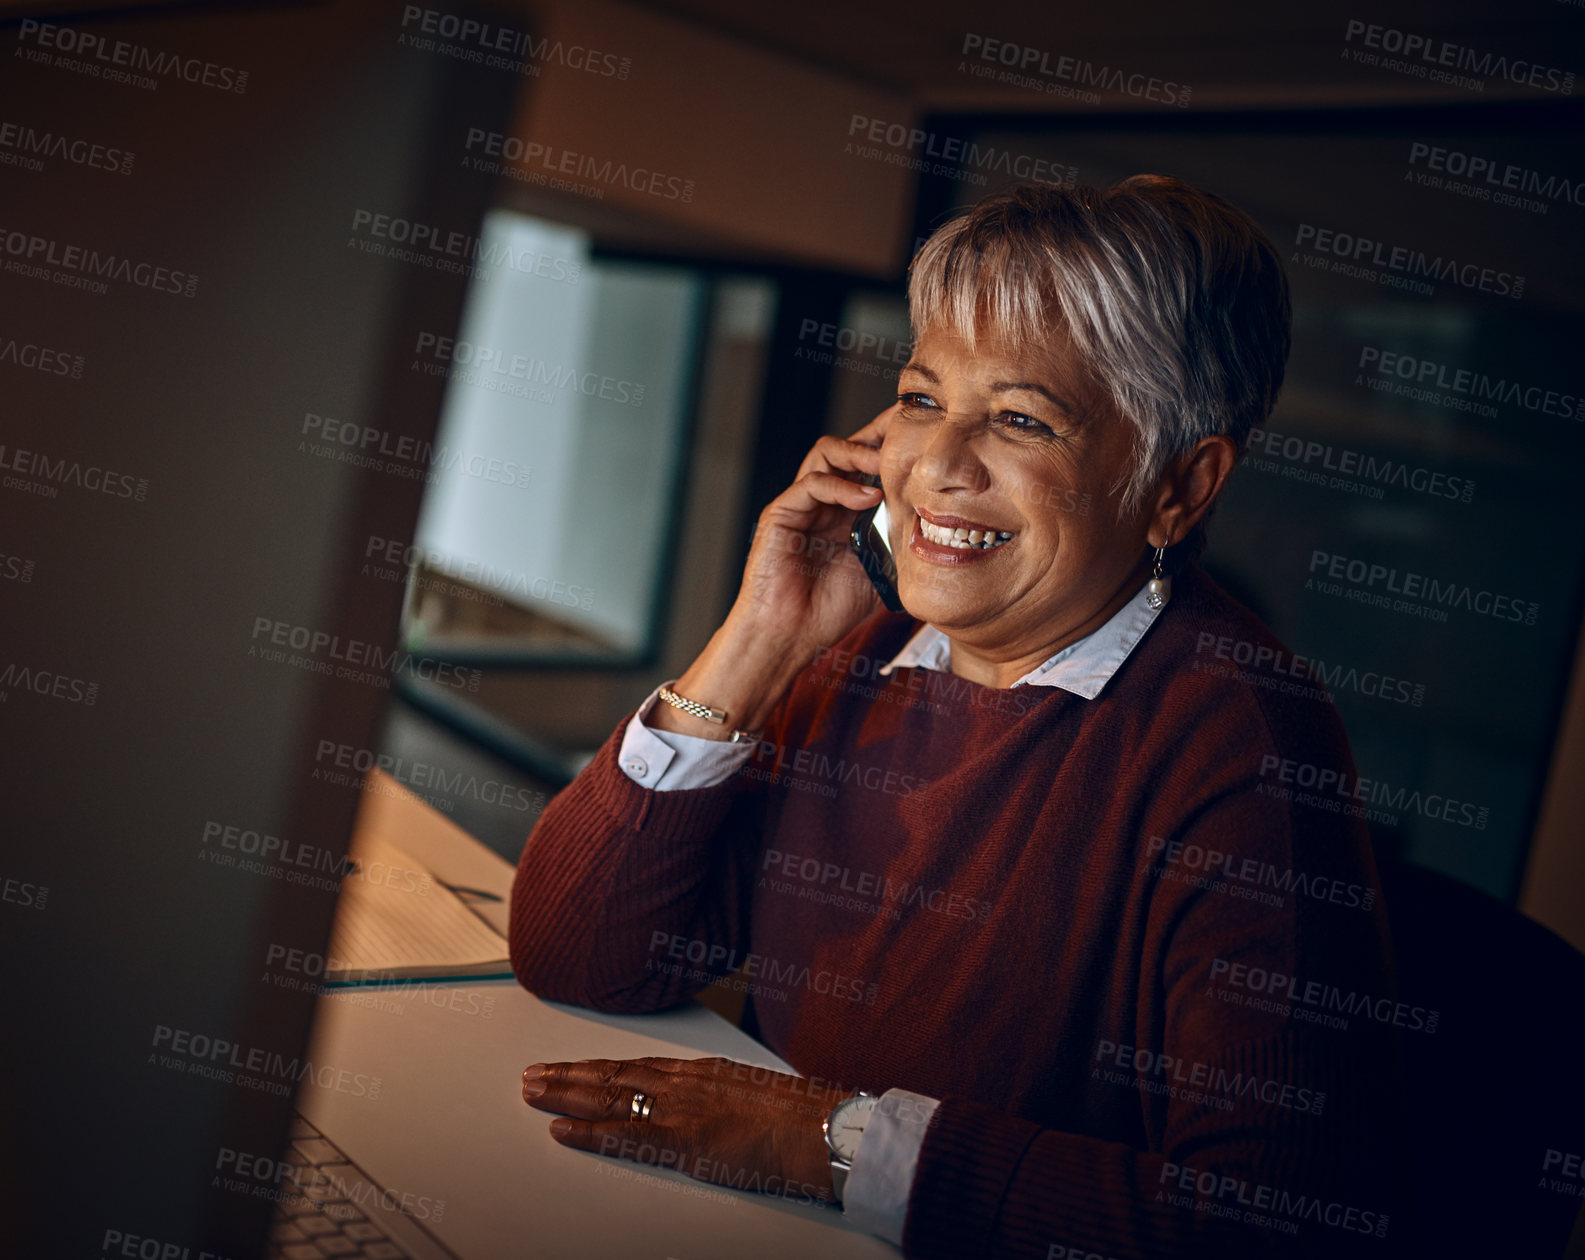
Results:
x,y
1145,971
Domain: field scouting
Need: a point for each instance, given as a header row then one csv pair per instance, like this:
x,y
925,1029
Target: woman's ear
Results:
x,y
1189,488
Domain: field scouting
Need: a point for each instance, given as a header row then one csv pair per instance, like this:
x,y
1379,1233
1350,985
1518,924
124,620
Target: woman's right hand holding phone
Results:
x,y
802,585
802,590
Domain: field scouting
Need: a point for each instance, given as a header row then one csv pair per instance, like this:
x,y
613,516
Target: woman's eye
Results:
x,y
1024,424
916,402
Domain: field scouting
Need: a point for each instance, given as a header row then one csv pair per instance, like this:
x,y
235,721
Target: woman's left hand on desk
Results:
x,y
717,1120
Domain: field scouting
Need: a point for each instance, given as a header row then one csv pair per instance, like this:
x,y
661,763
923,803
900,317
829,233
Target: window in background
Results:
x,y
553,494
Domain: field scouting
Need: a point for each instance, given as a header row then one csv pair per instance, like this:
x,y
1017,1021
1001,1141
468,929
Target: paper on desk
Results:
x,y
395,920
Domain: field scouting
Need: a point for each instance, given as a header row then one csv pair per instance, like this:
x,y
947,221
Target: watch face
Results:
x,y
846,1125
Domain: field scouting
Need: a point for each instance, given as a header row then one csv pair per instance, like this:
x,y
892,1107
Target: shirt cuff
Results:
x,y
667,761
875,1196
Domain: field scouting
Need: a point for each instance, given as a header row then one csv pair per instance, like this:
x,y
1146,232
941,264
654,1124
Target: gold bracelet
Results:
x,y
718,716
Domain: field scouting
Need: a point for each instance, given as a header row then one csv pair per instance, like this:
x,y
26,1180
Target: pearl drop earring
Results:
x,y
1159,589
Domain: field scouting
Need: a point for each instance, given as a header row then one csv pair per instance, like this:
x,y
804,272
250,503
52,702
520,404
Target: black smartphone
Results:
x,y
871,542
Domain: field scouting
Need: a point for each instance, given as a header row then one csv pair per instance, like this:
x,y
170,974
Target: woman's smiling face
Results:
x,y
1021,443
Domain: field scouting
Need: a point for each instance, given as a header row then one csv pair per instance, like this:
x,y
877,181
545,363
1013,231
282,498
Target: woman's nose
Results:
x,y
950,460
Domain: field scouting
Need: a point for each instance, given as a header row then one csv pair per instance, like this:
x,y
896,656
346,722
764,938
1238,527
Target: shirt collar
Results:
x,y
1083,667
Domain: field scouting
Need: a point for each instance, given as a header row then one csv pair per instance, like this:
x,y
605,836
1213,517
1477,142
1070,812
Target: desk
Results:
x,y
449,1121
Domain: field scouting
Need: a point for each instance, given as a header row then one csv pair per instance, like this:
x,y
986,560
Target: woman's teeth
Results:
x,y
967,539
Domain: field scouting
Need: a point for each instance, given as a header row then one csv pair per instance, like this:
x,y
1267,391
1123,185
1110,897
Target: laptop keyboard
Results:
x,y
318,1214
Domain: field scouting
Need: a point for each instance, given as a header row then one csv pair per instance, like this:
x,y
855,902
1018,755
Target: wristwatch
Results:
x,y
843,1128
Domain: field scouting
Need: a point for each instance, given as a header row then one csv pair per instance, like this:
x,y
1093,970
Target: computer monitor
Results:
x,y
218,241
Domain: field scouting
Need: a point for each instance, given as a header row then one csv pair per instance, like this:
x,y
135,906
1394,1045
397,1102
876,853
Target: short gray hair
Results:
x,y
1174,299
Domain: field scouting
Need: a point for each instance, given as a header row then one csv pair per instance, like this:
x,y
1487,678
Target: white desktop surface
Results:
x,y
449,1123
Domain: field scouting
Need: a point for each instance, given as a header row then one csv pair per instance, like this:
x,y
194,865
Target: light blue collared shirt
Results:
x,y
1083,667
876,1194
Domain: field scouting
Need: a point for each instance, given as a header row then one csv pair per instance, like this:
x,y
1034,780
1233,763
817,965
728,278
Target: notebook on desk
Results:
x,y
395,920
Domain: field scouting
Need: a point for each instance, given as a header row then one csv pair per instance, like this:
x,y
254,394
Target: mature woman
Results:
x,y
1026,860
